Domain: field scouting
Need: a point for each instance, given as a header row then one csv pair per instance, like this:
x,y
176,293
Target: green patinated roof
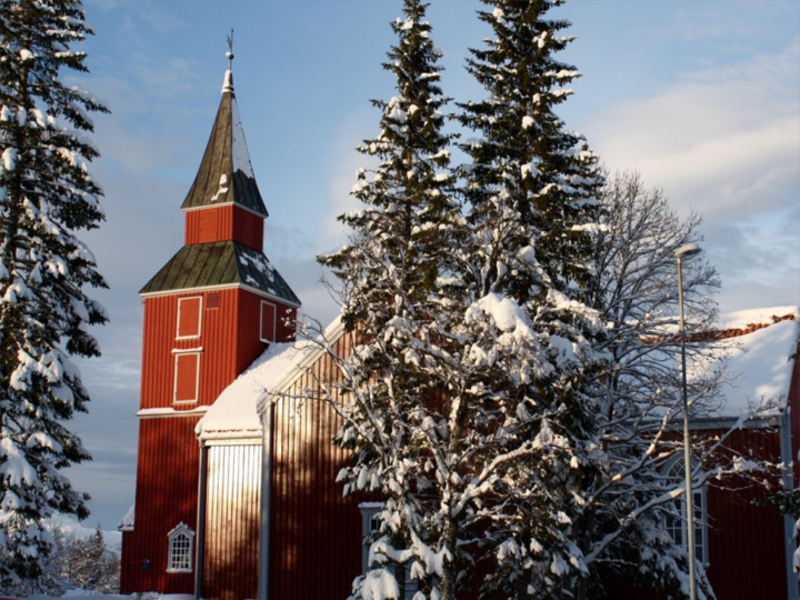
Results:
x,y
225,173
220,263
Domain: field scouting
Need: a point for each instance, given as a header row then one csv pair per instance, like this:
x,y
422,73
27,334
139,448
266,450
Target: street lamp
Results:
x,y
683,253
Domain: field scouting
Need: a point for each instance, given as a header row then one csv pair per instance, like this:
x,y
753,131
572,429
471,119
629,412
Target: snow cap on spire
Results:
x,y
227,82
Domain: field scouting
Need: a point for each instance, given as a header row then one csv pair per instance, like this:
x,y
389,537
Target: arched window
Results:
x,y
181,544
676,517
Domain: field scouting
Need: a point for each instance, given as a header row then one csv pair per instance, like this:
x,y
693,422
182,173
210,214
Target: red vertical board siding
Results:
x,y
168,460
316,534
219,361
222,223
794,412
166,495
248,229
209,225
745,542
249,325
232,522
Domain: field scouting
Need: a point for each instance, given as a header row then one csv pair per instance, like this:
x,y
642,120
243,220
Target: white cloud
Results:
x,y
725,143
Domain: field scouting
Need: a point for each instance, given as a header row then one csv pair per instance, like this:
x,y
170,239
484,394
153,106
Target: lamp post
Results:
x,y
684,252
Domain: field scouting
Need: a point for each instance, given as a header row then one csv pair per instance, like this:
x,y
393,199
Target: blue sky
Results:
x,y
703,97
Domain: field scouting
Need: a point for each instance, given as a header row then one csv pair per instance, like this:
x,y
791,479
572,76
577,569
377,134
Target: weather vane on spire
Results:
x,y
229,53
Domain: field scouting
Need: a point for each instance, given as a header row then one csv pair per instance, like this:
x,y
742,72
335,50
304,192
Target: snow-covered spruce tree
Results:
x,y
390,274
46,196
531,363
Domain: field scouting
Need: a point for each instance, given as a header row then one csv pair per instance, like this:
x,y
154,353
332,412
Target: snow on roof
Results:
x,y
127,522
742,318
760,361
234,411
234,414
240,154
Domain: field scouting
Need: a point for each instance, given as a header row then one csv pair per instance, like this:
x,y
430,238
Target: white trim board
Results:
x,y
224,286
221,204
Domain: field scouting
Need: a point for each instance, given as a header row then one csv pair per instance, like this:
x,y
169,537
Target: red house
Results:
x,y
236,495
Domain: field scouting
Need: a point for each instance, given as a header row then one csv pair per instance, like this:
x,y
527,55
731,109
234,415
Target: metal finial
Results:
x,y
229,53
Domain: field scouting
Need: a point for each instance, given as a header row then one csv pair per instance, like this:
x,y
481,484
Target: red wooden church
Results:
x,y
236,495
208,314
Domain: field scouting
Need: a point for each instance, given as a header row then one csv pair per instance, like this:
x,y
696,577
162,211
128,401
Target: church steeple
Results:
x,y
226,175
209,312
224,217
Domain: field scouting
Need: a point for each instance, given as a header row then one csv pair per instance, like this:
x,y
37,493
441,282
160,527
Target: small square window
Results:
x,y
212,301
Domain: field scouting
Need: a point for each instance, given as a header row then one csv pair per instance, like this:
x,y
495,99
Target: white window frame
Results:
x,y
261,321
196,353
180,530
178,335
369,510
673,472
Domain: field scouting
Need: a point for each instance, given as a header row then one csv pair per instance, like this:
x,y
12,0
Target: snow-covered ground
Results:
x,y
87,595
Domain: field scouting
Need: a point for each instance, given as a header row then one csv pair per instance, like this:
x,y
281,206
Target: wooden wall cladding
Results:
x,y
166,494
217,224
232,522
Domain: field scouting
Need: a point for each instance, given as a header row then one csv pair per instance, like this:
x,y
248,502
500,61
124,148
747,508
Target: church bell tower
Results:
x,y
208,313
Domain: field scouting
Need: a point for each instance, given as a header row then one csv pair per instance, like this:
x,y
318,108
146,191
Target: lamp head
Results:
x,y
687,251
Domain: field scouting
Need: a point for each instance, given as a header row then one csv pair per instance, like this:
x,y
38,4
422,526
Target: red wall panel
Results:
x,y
187,371
249,325
794,411
248,229
220,362
745,541
166,494
189,316
316,534
167,475
224,223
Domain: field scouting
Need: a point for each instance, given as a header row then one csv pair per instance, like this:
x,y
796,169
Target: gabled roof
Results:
x,y
760,357
759,348
234,414
219,264
226,175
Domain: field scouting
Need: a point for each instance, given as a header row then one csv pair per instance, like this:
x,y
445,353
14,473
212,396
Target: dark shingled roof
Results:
x,y
208,188
220,263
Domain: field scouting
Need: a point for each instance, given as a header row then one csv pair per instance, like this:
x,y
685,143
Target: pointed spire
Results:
x,y
227,83
226,174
